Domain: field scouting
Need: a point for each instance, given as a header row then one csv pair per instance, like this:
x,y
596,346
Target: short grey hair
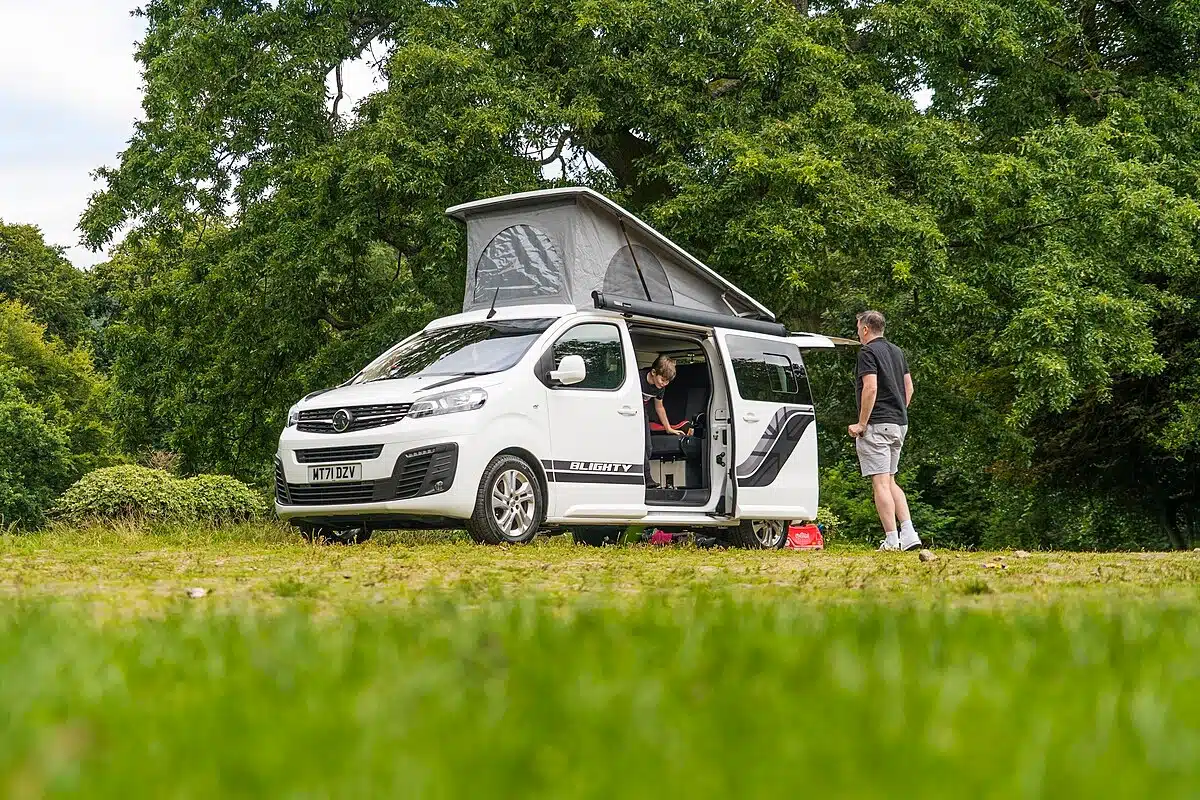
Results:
x,y
873,320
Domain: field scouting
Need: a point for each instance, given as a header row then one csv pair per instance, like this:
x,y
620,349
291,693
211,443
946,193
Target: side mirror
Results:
x,y
571,370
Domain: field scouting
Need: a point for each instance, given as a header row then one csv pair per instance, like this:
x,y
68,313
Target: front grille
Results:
x,y
323,455
320,420
322,494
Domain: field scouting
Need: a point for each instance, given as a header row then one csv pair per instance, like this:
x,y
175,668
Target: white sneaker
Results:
x,y
909,541
886,545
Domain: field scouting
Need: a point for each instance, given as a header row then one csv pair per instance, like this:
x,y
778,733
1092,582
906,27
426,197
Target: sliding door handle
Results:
x,y
627,411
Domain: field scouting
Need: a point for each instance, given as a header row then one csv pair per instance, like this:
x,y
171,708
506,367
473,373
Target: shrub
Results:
x,y
831,524
220,498
131,491
127,491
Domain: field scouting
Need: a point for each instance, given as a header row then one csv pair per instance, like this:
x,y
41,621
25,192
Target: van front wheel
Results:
x,y
509,507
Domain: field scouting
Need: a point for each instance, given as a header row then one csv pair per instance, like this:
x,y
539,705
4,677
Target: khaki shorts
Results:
x,y
879,449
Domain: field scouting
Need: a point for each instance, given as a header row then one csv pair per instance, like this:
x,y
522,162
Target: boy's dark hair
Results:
x,y
664,366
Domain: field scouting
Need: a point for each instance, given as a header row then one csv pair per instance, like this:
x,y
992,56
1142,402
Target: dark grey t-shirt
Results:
x,y
881,358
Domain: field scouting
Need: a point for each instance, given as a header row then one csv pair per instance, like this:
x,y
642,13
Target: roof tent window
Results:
x,y
621,279
521,262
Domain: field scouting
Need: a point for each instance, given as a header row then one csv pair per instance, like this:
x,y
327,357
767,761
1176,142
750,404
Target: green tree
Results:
x,y
1032,235
39,276
52,428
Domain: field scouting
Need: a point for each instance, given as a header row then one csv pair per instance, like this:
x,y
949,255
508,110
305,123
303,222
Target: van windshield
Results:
x,y
475,349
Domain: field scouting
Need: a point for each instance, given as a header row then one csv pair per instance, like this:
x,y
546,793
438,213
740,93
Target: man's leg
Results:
x,y
909,540
885,504
900,502
874,459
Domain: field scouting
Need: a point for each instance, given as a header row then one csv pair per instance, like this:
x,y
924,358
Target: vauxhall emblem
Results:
x,y
342,419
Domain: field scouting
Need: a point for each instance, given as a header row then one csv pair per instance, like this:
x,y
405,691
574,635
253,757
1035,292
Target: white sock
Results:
x,y
907,527
891,537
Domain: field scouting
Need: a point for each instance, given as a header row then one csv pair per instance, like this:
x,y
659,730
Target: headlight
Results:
x,y
293,417
448,403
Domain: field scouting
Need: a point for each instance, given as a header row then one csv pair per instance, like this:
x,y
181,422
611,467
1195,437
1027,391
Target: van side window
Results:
x,y
768,371
600,346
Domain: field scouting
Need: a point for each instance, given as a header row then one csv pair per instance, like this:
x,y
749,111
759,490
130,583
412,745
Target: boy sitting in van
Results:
x,y
654,385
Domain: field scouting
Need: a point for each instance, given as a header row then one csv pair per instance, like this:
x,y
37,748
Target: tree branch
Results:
x,y
337,71
339,325
558,148
1009,236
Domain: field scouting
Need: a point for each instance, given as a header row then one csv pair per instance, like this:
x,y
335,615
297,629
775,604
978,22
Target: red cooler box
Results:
x,y
805,537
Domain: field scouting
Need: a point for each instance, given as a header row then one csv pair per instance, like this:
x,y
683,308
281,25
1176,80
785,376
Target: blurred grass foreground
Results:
x,y
709,690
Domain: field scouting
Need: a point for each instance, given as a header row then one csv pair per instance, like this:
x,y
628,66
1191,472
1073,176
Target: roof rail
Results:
x,y
645,308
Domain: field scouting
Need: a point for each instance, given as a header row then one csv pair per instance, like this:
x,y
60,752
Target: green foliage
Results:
x,y
52,421
1033,236
129,491
220,498
38,275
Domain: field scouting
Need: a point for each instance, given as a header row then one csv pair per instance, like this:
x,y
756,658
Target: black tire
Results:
x,y
508,479
758,534
321,534
597,535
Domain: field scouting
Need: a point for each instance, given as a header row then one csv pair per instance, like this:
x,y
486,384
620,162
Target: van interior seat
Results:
x,y
686,396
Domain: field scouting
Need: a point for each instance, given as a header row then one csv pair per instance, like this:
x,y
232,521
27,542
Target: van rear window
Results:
x,y
768,371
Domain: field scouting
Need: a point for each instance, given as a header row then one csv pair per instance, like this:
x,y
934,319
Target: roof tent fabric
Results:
x,y
521,262
560,245
622,278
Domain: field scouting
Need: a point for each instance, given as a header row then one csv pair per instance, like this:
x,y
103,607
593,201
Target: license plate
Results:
x,y
335,473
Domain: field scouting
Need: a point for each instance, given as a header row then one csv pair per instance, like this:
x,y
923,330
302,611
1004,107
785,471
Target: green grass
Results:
x,y
422,666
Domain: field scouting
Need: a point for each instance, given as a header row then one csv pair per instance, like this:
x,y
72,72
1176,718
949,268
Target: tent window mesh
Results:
x,y
520,262
621,279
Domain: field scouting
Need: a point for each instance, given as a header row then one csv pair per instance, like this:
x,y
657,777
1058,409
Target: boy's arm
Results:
x,y
661,411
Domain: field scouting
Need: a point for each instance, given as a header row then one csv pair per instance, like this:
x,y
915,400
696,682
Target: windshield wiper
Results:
x,y
458,377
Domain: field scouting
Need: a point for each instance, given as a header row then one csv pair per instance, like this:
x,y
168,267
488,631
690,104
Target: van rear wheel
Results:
x,y
510,505
759,534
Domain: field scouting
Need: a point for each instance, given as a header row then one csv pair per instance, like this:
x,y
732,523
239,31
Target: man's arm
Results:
x,y
870,391
908,390
661,411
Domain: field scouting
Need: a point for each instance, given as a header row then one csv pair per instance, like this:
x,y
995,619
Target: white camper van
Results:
x,y
524,413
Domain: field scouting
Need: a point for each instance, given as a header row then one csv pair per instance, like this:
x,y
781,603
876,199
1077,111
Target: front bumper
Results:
x,y
418,472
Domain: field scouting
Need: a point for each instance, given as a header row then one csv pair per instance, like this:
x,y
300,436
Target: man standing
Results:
x,y
884,390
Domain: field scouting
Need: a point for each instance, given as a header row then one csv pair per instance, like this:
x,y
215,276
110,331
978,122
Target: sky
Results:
x,y
70,92
65,109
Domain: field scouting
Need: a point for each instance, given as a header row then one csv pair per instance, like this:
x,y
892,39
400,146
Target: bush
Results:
x,y
139,492
220,498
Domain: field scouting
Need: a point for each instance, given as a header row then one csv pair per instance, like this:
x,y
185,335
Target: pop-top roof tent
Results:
x,y
560,245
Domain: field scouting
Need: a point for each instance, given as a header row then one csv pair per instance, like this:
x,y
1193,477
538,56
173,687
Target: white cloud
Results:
x,y
69,93
75,54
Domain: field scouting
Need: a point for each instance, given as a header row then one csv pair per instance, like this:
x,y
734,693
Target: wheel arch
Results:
x,y
538,468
